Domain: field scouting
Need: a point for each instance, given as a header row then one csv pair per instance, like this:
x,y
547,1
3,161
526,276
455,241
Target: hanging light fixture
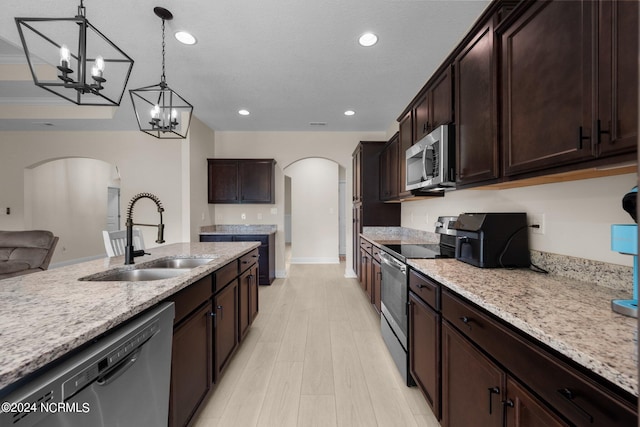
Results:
x,y
160,111
89,68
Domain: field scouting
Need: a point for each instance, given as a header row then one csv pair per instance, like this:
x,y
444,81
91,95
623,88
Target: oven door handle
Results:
x,y
392,262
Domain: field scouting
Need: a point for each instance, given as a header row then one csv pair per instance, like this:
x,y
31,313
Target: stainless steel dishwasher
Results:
x,y
121,379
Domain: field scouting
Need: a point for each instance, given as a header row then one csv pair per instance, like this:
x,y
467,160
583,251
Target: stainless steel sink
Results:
x,y
177,263
137,275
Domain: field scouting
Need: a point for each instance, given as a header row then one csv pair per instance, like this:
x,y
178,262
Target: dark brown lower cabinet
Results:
x,y
523,410
225,331
577,396
376,272
471,384
365,271
248,298
190,365
424,350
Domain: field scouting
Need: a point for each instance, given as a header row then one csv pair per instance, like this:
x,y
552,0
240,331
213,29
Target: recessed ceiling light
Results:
x,y
185,38
244,112
349,113
368,39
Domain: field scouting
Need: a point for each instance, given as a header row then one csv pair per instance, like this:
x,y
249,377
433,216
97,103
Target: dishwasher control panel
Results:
x,y
104,366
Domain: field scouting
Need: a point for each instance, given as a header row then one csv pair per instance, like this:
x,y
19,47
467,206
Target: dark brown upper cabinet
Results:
x,y
389,169
433,106
546,86
569,84
617,121
241,180
477,109
405,135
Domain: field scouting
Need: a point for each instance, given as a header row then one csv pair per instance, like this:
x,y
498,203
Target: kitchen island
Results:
x,y
44,316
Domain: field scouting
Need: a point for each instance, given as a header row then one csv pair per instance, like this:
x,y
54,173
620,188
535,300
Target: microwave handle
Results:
x,y
424,163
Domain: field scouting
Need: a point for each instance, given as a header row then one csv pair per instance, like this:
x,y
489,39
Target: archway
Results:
x,y
69,196
315,207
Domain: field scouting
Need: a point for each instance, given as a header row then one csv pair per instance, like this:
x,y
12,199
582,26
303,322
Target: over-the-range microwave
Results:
x,y
431,161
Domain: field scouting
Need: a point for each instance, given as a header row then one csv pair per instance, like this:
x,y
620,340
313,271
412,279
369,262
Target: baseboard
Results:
x,y
349,273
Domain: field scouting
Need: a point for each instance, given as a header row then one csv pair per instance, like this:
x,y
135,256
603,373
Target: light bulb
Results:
x,y
99,63
174,114
98,66
65,56
155,112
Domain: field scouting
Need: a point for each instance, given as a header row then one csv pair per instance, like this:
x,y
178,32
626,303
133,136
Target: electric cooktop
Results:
x,y
423,251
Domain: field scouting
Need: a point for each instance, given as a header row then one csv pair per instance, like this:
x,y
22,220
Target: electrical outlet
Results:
x,y
259,215
243,216
536,222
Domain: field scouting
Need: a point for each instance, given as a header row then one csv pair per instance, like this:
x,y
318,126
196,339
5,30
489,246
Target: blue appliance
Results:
x,y
624,239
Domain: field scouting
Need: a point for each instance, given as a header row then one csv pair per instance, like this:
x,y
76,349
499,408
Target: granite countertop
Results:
x,y
573,317
239,229
45,315
570,316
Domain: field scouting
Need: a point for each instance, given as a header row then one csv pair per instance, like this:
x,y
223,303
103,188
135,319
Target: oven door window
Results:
x,y
394,300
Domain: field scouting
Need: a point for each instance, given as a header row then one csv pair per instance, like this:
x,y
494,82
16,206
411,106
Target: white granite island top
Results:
x,y
570,316
45,315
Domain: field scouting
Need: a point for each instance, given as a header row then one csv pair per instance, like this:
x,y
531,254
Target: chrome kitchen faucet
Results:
x,y
129,252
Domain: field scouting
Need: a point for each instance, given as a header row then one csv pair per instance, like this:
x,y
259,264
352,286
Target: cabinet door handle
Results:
x,y
508,403
221,311
492,391
581,137
600,131
568,394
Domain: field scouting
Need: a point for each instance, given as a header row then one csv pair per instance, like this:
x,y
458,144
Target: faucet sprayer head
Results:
x,y
160,233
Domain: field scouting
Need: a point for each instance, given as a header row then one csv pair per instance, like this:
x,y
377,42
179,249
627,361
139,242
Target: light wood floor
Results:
x,y
314,357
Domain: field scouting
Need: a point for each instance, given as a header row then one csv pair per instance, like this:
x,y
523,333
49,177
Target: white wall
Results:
x,y
199,146
578,214
286,148
314,211
146,164
70,197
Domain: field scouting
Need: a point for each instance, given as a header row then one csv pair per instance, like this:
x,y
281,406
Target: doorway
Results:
x,y
314,210
113,209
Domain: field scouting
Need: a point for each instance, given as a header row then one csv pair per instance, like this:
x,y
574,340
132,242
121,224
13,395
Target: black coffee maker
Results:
x,y
490,240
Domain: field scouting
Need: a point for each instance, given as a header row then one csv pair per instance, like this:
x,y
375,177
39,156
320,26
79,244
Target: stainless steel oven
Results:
x,y
394,321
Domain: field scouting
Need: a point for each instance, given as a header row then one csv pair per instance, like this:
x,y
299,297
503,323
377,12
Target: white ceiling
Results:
x,y
289,62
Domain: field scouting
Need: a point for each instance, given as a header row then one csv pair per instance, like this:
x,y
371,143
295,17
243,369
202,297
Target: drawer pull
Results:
x,y
492,391
467,321
508,403
568,394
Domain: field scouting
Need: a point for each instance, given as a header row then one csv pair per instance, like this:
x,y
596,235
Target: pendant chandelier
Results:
x,y
89,68
160,111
